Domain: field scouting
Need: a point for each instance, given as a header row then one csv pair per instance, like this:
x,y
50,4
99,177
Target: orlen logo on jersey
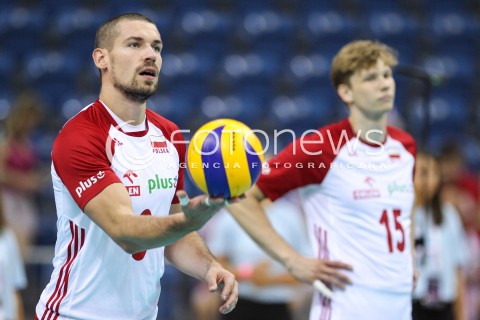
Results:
x,y
367,193
133,191
84,185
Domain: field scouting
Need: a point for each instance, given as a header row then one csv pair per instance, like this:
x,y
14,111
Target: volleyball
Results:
x,y
224,158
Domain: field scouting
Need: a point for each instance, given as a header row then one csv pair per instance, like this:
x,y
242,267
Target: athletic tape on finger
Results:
x,y
207,201
184,201
322,288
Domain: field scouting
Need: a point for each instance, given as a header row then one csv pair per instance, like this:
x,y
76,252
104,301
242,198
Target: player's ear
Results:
x,y
345,93
100,58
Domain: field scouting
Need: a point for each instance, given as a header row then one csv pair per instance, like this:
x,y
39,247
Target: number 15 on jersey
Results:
x,y
393,238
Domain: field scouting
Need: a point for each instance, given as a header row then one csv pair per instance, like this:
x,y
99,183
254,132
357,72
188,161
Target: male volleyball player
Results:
x,y
117,181
355,181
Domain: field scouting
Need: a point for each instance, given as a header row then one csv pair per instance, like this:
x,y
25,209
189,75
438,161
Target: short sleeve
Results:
x,y
80,160
304,161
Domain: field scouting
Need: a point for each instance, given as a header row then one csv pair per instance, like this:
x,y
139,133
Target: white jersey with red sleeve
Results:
x,y
93,278
357,198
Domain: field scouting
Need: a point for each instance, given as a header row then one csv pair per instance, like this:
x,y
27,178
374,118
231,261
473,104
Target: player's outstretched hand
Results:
x,y
308,270
222,281
201,208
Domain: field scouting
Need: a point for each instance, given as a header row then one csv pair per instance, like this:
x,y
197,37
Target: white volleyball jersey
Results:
x,y
93,278
357,198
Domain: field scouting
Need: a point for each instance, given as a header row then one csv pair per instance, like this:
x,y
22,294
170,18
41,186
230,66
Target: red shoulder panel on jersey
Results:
x,y
79,156
405,138
304,161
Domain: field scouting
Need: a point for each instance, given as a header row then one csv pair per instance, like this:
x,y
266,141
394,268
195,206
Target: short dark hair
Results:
x,y
106,33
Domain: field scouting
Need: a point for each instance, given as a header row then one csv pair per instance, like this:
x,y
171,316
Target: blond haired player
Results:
x,y
355,181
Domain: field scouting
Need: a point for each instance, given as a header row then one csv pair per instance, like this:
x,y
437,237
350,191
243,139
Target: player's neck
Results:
x,y
369,129
129,111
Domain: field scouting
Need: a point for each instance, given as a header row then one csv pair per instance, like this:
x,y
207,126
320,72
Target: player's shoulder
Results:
x,y
336,129
86,126
167,126
402,136
333,130
327,137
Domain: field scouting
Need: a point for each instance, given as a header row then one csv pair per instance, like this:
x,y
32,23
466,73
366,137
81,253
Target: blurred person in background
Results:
x,y
461,187
118,183
355,178
266,290
12,273
20,167
441,248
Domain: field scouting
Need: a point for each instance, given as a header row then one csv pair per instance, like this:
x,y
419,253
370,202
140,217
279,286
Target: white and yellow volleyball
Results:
x,y
224,158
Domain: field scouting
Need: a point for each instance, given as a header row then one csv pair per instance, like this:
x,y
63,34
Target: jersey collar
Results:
x,y
99,105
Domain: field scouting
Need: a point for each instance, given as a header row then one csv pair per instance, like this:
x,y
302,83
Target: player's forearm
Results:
x,y
253,219
138,233
20,313
191,256
460,299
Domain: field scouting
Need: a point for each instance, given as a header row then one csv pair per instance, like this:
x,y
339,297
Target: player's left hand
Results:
x,y
200,209
222,281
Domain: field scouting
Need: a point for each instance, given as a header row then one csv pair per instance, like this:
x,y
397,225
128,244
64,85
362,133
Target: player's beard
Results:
x,y
134,90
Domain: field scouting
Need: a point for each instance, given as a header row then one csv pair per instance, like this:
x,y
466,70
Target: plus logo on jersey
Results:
x,y
133,191
159,144
161,183
84,185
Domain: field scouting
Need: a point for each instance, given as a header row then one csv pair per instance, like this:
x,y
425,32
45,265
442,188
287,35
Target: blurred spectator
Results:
x,y
440,246
19,162
461,187
12,273
266,289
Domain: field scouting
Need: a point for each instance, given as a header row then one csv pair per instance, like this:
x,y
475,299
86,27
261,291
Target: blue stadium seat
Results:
x,y
251,67
8,65
23,28
246,6
77,28
267,31
52,72
309,109
304,69
455,67
206,31
328,28
449,110
398,29
240,105
448,26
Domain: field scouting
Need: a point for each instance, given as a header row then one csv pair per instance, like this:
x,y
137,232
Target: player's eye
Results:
x,y
133,45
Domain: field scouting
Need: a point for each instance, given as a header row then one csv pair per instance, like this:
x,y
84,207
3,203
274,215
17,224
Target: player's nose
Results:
x,y
150,54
